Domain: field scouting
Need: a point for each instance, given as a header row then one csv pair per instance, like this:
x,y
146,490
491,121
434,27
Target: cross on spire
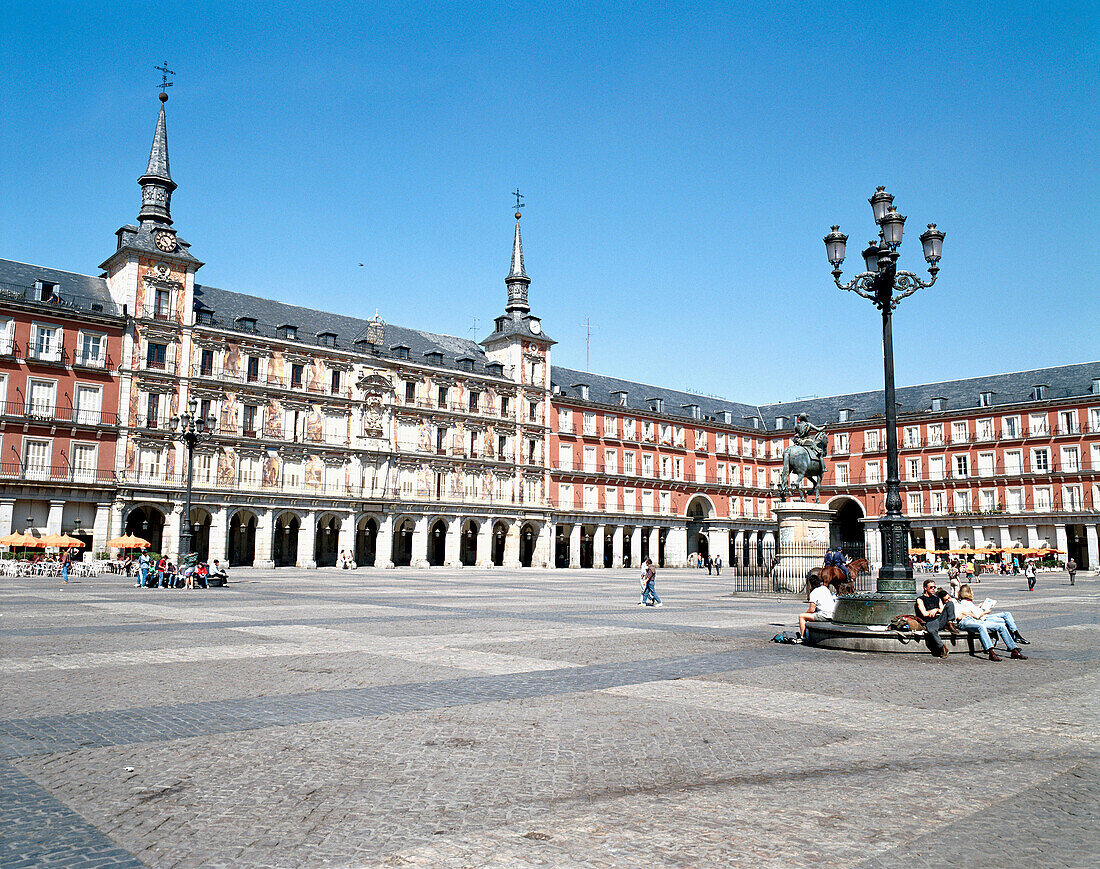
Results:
x,y
164,73
519,198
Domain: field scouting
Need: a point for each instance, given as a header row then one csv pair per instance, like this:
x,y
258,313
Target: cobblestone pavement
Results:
x,y
529,719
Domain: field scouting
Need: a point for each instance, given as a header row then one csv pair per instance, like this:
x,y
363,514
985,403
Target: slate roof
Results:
x,y
227,306
1063,381
82,291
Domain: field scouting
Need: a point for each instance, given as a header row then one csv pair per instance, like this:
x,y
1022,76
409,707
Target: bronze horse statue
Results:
x,y
798,460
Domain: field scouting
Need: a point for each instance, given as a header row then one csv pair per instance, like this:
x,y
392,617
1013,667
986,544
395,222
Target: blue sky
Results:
x,y
681,165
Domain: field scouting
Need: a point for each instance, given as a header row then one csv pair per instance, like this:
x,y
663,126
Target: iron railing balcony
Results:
x,y
50,413
37,473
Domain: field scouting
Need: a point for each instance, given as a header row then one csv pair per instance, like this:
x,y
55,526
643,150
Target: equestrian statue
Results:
x,y
805,458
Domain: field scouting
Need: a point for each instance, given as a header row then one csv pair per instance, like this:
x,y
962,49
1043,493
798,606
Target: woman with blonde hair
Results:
x,y
973,618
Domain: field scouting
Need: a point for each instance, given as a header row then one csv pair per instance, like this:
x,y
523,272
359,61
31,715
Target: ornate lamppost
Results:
x,y
189,428
885,286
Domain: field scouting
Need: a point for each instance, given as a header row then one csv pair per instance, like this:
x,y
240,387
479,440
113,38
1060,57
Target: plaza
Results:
x,y
530,718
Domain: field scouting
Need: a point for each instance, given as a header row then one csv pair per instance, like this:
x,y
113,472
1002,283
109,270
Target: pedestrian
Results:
x,y
162,569
67,559
718,565
649,592
1071,566
1029,572
710,566
143,569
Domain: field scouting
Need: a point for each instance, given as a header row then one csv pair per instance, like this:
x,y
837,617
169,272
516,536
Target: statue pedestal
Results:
x,y
803,539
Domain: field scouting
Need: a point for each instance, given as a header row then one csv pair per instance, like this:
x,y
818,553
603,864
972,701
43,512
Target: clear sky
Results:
x,y
681,164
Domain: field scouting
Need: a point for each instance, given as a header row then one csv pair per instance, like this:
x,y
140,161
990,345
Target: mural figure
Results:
x,y
273,420
272,467
424,438
351,474
316,382
315,472
229,413
227,467
232,367
276,368
315,425
131,453
424,481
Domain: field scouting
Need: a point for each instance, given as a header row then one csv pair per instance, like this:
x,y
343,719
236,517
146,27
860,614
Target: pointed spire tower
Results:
x,y
517,322
157,184
517,280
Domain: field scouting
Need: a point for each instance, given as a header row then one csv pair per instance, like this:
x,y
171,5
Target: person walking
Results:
x,y
143,569
649,592
1071,566
718,565
710,566
67,559
1029,572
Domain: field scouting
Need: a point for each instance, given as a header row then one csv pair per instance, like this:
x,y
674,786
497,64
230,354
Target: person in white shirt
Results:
x,y
822,605
973,618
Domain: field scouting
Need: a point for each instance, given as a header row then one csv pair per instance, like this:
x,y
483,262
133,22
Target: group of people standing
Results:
x,y
713,565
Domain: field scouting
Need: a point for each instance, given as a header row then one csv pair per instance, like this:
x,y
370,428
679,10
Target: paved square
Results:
x,y
529,718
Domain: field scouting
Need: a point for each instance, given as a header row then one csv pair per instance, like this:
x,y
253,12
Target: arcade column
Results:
x,y
307,541
265,522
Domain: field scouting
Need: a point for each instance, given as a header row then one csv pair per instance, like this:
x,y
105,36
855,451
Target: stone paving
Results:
x,y
529,719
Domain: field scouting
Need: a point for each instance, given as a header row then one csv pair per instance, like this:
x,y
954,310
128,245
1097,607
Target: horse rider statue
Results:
x,y
804,458
806,434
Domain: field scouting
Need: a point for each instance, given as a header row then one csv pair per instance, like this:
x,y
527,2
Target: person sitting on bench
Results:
x,y
822,605
973,618
935,609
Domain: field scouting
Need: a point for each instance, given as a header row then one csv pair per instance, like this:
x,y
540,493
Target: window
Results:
x,y
700,470
1037,423
762,478
473,445
532,452
1040,460
565,420
400,352
590,423
204,318
565,456
666,468
935,434
249,420
628,463
678,468
252,369
286,332
1014,461
720,443
502,447
962,501
735,506
1042,498
156,356
987,500
666,502
610,462
912,469
86,404
935,467
532,411
7,343
842,478
629,429
334,381
504,405
591,498
590,458
206,363
962,466
410,392
45,344
1072,498
840,443
149,463
985,429
985,464
246,324
327,339
296,372
911,436
1094,419
915,504
647,430
89,350
1014,500
721,473
442,397
611,498
735,475
629,500
1071,459
678,435
162,305
565,496
466,364
1067,422
1010,427
960,432
41,398
937,503
874,472
610,426
36,458
1094,457
870,440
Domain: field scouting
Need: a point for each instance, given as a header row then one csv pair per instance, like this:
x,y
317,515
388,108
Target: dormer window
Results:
x,y
692,410
500,323
939,405
620,397
844,414
496,369
985,399
326,339
434,357
400,351
582,390
204,318
1096,386
46,291
726,416
466,363
287,332
780,423
656,404
752,420
365,346
1038,392
246,324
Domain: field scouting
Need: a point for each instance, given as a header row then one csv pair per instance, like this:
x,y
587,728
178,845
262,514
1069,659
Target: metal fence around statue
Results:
x,y
786,571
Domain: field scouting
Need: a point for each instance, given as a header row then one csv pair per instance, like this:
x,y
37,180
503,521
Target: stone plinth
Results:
x,y
803,539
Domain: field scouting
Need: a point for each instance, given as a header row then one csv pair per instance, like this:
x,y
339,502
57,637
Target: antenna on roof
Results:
x,y
588,326
474,327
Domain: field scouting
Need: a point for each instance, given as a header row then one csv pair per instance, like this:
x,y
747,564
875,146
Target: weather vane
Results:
x,y
164,73
519,198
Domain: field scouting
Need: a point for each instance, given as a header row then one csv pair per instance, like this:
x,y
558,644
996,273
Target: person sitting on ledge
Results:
x,y
974,618
822,605
934,609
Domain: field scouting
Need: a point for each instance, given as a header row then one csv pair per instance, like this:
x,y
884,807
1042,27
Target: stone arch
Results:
x,y
366,541
499,538
241,539
437,542
528,538
326,547
467,546
147,522
284,539
699,508
401,550
201,521
845,528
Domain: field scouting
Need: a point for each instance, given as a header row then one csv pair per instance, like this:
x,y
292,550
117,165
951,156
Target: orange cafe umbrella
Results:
x,y
130,541
53,540
70,542
920,551
18,539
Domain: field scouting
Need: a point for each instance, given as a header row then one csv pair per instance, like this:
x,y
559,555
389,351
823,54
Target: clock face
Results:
x,y
165,241
536,327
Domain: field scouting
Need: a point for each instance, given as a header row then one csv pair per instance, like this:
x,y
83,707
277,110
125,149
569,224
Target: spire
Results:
x,y
517,280
157,184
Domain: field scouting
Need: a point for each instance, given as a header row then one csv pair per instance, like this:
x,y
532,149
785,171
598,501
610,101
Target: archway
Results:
x,y
644,554
527,536
284,546
437,543
561,546
846,529
702,545
366,542
609,546
662,535
628,553
586,546
325,550
200,533
500,533
699,511
242,539
402,542
147,523
467,548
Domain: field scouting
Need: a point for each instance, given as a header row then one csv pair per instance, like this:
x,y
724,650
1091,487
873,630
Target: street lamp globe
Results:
x,y
880,200
932,239
870,257
834,245
892,225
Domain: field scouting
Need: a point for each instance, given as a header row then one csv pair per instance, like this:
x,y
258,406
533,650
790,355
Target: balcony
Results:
x,y
98,361
56,301
160,313
8,347
49,413
18,471
54,354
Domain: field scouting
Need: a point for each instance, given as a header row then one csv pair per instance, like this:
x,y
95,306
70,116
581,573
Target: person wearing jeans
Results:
x,y
934,610
650,592
974,618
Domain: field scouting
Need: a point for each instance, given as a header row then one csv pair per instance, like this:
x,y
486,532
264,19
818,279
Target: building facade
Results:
x,y
401,447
